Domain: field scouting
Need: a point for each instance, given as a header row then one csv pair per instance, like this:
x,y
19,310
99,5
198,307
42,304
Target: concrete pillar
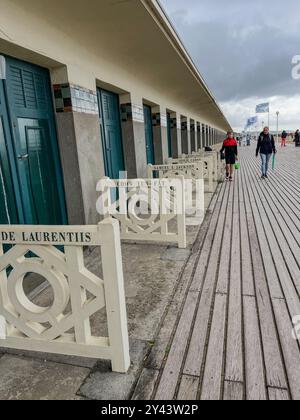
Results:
x,y
78,130
175,122
160,134
193,136
133,134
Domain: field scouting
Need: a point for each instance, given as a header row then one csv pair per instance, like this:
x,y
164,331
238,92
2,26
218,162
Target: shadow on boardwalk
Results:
x,y
233,336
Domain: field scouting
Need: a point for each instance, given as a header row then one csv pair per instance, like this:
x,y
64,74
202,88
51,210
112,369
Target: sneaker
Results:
x,y
263,177
230,179
266,176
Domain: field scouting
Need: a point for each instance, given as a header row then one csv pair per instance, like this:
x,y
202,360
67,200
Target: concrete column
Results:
x,y
77,117
176,135
160,134
193,136
133,133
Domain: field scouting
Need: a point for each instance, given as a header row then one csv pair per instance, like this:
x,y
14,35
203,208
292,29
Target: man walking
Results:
x,y
265,146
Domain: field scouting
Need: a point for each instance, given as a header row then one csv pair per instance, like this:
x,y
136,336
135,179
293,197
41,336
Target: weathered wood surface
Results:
x,y
233,339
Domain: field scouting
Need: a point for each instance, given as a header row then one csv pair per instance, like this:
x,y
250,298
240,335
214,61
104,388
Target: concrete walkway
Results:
x,y
228,331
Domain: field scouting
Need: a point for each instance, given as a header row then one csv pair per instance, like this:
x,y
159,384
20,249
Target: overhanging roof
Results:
x,y
133,36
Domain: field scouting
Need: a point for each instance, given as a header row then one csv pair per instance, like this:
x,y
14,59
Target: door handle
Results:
x,y
23,157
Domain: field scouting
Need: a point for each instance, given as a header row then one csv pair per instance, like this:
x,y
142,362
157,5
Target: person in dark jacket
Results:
x,y
283,138
297,139
230,147
265,146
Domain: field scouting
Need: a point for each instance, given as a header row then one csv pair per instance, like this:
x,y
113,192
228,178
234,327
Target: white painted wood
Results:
x,y
194,186
164,202
26,326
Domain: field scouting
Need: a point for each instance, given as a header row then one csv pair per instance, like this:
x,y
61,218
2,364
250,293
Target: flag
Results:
x,y
251,121
263,108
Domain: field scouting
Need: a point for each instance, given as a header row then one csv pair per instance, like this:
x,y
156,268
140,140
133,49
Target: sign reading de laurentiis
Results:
x,y
50,235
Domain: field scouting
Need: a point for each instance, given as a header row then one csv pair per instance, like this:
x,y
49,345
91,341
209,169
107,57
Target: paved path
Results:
x,y
233,336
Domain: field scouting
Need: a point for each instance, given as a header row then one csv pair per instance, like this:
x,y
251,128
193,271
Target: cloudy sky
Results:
x,y
244,51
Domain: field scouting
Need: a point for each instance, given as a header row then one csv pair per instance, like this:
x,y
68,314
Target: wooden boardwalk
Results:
x,y
233,337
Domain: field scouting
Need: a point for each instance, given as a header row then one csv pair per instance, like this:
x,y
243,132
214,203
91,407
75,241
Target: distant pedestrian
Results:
x,y
248,140
265,146
283,138
297,139
230,147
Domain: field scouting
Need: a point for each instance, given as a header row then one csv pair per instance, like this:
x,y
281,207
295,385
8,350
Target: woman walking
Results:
x,y
283,138
230,147
265,146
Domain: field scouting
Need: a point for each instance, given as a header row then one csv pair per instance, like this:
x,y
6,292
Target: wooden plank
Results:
x,y
224,272
188,388
275,372
286,283
255,372
209,240
196,351
158,352
234,350
276,394
213,373
271,274
247,269
233,391
170,376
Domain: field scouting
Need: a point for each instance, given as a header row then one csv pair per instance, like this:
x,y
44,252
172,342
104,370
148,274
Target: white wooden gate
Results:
x,y
64,327
194,186
148,210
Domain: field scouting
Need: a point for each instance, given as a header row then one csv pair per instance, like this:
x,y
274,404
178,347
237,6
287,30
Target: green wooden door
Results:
x,y
33,152
8,205
111,133
169,135
149,135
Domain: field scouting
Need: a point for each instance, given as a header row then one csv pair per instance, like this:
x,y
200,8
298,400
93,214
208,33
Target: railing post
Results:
x,y
115,295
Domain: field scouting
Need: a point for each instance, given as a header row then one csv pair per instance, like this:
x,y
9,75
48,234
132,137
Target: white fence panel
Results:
x,y
64,327
148,210
207,167
194,191
219,165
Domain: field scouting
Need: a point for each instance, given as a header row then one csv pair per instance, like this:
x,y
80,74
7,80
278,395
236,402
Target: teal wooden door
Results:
x,y
34,158
149,135
111,133
8,205
169,135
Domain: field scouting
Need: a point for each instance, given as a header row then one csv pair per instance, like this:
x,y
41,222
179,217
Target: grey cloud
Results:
x,y
243,49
